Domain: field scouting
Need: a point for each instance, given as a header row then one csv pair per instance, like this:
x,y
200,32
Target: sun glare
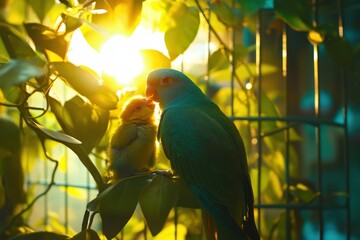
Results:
x,y
120,58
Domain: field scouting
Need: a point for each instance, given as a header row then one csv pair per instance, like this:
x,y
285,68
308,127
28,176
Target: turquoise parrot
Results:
x,y
132,147
207,152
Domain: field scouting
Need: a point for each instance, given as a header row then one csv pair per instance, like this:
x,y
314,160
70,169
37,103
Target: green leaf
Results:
x,y
19,71
47,38
4,56
94,35
229,16
76,117
303,193
86,234
269,108
218,60
10,162
104,98
54,13
67,3
57,136
186,198
274,189
71,23
16,12
296,13
154,59
241,52
186,26
279,223
121,17
340,50
118,202
156,201
93,205
243,71
13,94
40,236
264,180
86,82
41,7
15,42
251,6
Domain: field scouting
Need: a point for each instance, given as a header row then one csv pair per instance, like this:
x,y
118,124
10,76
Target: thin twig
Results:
x,y
227,50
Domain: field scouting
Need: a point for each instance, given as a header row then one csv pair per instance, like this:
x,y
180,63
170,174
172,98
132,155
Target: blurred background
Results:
x,y
285,71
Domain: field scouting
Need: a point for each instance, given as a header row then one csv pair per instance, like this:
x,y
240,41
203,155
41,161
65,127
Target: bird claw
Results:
x,y
166,173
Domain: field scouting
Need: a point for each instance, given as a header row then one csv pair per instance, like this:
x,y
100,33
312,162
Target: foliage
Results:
x,y
33,61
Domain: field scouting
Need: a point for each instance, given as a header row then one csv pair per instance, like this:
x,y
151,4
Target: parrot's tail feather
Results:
x,y
249,226
227,227
209,226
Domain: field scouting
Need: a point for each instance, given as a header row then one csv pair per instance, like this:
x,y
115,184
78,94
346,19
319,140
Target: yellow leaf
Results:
x,y
315,37
276,184
169,230
254,179
75,192
301,186
63,164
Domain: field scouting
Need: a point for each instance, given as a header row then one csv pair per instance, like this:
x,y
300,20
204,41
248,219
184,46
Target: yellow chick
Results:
x,y
132,147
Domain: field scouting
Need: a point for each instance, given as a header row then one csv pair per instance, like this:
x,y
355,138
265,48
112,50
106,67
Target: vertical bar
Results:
x,y
258,73
287,180
317,115
46,205
345,116
284,53
232,64
287,136
66,179
232,69
66,197
208,54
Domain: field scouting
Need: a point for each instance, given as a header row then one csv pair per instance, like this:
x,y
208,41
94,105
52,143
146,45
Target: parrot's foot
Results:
x,y
167,173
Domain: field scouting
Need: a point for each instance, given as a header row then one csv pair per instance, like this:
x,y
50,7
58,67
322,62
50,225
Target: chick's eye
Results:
x,y
165,80
138,107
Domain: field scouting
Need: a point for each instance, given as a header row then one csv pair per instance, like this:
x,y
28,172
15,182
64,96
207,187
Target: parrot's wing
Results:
x,y
206,150
202,151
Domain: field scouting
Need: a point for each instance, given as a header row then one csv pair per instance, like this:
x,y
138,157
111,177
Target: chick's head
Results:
x,y
138,109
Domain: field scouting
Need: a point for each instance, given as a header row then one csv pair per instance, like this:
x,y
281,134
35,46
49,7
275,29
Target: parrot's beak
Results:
x,y
150,103
151,93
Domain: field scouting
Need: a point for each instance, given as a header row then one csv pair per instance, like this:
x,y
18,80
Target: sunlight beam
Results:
x,y
121,59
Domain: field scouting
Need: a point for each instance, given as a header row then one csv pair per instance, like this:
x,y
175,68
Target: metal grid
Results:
x,y
316,121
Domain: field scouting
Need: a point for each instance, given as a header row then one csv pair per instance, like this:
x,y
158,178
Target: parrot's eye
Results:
x,y
165,80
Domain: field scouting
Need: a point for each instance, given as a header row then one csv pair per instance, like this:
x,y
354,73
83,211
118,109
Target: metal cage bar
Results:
x,y
290,122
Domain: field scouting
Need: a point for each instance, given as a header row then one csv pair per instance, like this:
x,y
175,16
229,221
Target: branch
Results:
x,y
76,148
84,158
